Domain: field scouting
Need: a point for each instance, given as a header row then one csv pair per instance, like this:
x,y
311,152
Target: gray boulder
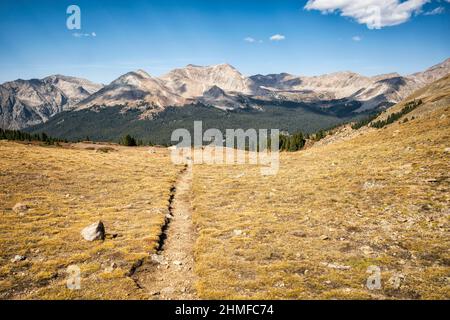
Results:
x,y
95,231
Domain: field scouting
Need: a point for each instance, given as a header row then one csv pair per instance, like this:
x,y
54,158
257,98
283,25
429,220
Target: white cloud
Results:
x,y
375,14
356,38
81,34
435,11
277,37
249,39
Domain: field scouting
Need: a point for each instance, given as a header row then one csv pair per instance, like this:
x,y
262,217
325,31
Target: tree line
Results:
x,y
410,106
131,141
17,135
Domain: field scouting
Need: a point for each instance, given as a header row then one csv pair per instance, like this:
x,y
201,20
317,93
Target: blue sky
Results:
x,y
158,36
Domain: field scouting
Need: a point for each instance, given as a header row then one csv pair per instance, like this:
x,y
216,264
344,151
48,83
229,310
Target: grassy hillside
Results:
x,y
110,124
65,190
332,215
355,203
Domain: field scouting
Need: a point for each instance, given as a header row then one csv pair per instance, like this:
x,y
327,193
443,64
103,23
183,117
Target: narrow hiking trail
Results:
x,y
169,274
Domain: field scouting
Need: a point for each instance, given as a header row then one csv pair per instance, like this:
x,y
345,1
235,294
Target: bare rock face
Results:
x,y
136,89
95,231
193,81
24,103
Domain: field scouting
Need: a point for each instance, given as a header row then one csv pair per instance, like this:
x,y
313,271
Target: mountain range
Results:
x,y
26,103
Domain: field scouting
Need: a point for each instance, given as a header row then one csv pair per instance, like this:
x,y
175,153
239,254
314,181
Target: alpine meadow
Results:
x,y
236,152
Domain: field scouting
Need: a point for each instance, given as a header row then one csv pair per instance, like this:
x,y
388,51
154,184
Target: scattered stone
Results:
x,y
20,208
324,237
336,266
157,258
95,231
371,184
177,263
366,250
167,291
237,232
111,267
447,150
299,234
18,258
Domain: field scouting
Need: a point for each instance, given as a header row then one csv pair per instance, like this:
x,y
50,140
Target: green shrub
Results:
x,y
128,141
410,106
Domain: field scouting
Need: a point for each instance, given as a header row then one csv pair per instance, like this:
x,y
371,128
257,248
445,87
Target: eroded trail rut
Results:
x,y
169,274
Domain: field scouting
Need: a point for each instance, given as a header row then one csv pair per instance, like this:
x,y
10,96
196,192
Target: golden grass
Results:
x,y
381,198
66,190
360,199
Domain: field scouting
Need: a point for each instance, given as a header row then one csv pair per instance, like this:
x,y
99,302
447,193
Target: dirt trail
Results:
x,y
169,274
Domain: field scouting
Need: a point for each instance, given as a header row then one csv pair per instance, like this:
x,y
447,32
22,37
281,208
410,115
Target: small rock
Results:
x,y
20,208
447,150
177,263
299,234
95,231
337,266
157,258
371,185
366,250
167,290
18,258
324,237
111,267
237,232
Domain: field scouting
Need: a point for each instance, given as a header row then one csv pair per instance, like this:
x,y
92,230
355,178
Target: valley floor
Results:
x,y
375,206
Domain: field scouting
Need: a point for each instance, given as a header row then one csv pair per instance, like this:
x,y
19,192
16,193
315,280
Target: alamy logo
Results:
x,y
73,281
73,22
237,147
